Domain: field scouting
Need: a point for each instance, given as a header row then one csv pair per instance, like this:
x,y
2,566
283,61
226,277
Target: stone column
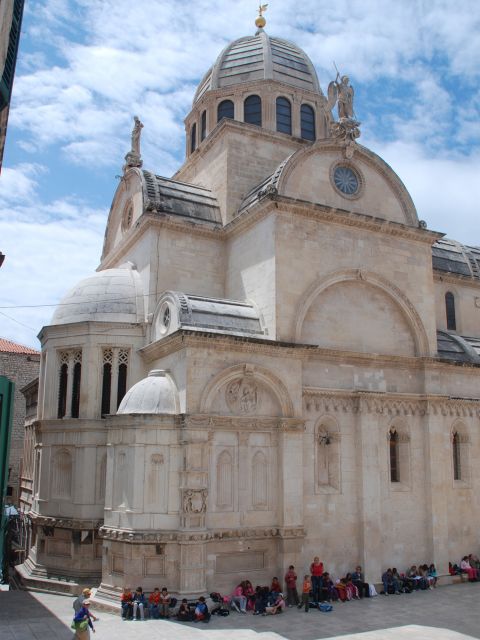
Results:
x,y
290,465
436,444
369,444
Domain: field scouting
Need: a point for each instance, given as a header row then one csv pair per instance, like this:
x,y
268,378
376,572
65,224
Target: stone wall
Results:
x,y
21,369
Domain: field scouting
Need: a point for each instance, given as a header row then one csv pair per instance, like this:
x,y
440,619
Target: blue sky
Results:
x,y
86,67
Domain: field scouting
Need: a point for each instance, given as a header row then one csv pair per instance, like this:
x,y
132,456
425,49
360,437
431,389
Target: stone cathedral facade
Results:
x,y
274,360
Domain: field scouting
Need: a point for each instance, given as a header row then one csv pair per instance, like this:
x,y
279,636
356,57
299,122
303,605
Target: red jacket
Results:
x,y
316,569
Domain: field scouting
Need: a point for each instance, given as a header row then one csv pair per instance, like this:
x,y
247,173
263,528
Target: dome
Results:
x,y
112,295
154,394
260,57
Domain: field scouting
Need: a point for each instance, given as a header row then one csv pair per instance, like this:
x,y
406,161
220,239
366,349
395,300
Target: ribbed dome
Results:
x,y
154,394
112,295
260,57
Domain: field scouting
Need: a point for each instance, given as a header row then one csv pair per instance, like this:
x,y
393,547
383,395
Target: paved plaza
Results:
x,y
444,613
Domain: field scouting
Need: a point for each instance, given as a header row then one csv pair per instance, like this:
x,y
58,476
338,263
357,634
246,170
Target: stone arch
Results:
x,y
393,293
327,451
62,475
254,372
370,159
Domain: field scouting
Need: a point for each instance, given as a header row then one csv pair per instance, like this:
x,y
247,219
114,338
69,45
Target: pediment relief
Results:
x,y
246,390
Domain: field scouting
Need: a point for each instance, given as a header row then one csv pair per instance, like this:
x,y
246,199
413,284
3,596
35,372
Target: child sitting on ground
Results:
x,y
277,607
201,611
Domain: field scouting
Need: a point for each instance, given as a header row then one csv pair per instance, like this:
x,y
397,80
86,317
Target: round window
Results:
x,y
166,317
346,180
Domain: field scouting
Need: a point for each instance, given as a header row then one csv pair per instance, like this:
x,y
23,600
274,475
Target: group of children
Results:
x,y
160,605
317,589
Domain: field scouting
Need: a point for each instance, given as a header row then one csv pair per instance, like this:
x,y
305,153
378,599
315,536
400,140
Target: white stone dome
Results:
x,y
155,394
260,57
112,295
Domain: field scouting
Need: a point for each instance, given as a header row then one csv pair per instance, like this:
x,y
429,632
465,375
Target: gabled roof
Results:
x,y
6,346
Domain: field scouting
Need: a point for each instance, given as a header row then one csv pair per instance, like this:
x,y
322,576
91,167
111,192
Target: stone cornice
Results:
x,y
87,328
243,423
189,537
456,279
189,338
323,213
64,523
70,426
323,401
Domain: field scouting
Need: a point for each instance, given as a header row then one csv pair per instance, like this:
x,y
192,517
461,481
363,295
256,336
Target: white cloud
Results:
x,y
92,65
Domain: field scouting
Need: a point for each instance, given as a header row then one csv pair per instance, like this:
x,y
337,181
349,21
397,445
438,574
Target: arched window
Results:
x,y
450,311
225,110
115,371
252,110
62,475
193,137
284,115
203,126
62,390
224,481
457,460
307,122
77,375
394,459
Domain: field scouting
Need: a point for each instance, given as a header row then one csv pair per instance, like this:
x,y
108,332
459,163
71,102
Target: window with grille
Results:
x,y
457,460
70,375
193,138
307,122
225,110
114,378
450,311
284,115
394,461
252,110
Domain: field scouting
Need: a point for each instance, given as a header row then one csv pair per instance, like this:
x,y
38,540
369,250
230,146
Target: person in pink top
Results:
x,y
238,600
466,567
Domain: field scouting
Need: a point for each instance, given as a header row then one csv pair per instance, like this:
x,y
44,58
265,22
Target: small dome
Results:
x,y
260,57
112,295
155,394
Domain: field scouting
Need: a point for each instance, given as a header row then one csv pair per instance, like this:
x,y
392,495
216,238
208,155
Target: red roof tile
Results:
x,y
12,347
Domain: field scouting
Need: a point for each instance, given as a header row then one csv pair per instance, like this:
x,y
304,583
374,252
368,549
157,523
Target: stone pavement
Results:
x,y
444,614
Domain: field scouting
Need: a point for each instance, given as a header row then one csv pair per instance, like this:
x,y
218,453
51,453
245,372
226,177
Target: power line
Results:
x,y
68,304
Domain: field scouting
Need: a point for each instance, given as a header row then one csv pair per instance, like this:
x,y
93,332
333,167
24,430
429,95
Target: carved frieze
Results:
x,y
64,523
325,401
156,537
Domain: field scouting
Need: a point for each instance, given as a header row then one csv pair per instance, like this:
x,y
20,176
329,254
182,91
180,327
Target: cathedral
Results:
x,y
276,359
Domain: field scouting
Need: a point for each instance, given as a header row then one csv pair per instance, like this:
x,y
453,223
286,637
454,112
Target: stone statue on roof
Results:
x,y
133,157
137,130
346,129
341,92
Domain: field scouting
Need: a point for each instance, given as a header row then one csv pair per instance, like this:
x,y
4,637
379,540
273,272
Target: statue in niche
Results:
x,y
242,396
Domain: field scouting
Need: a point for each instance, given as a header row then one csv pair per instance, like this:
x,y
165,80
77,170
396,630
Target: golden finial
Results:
x,y
260,22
